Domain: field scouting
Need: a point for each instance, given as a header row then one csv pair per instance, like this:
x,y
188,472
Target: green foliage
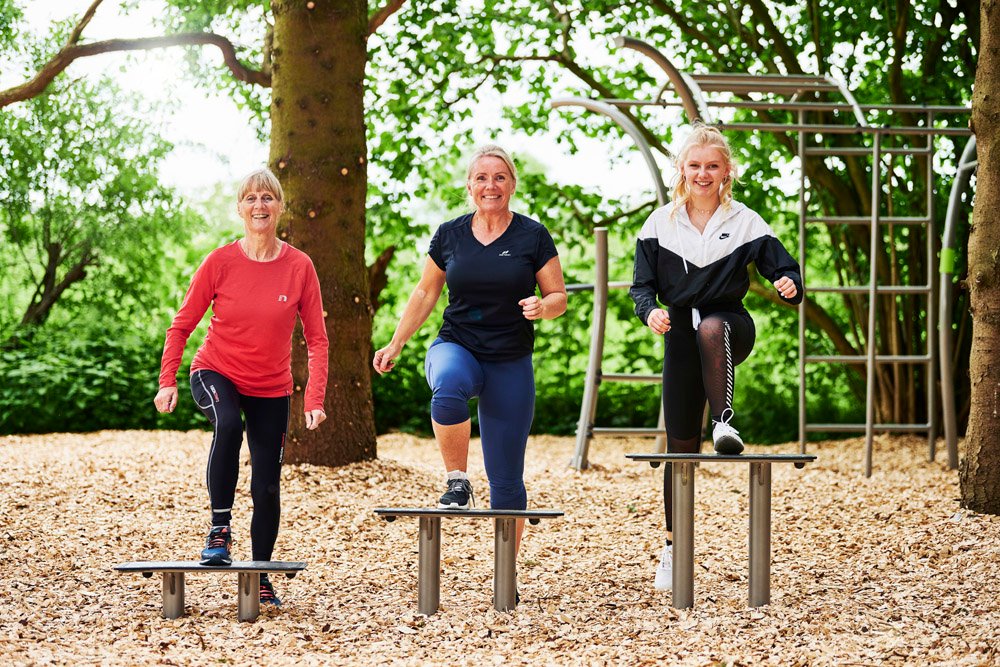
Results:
x,y
82,204
430,68
82,379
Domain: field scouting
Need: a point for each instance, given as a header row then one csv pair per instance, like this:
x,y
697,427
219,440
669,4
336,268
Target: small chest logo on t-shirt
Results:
x,y
282,297
505,253
724,235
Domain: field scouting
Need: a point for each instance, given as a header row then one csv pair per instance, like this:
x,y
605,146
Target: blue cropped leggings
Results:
x,y
506,391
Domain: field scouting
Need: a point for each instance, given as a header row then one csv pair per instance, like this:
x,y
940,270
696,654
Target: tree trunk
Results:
x,y
318,152
980,470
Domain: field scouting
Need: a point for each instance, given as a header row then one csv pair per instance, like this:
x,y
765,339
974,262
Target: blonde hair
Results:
x,y
262,179
703,136
489,150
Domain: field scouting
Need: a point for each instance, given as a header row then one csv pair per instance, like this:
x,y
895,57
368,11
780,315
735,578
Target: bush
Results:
x,y
57,381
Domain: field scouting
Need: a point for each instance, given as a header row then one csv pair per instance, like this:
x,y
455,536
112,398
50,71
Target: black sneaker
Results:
x,y
267,595
458,496
216,551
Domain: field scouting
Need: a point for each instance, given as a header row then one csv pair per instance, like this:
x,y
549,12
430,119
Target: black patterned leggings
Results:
x,y
699,365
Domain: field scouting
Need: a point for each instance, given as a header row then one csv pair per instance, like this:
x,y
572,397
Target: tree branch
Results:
x,y
471,90
778,40
686,28
267,52
382,15
899,31
625,214
74,36
377,277
934,47
814,20
40,307
59,62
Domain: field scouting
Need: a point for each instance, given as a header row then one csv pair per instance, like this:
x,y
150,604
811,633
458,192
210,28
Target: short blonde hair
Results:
x,y
489,150
703,136
261,179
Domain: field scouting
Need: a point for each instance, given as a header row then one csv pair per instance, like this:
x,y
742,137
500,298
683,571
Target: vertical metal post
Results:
x,y
802,268
429,565
930,378
504,565
872,296
592,380
173,594
760,534
683,520
249,596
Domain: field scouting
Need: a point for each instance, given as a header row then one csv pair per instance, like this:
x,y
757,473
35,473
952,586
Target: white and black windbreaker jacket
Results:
x,y
684,268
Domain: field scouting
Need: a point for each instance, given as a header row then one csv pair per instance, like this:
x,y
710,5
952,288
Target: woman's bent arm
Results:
x,y
418,309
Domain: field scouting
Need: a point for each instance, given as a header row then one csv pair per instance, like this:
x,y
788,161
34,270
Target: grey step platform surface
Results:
x,y
247,572
682,472
798,460
429,549
288,568
533,516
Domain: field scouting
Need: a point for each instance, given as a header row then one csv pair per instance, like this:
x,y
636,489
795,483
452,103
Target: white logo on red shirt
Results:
x,y
282,297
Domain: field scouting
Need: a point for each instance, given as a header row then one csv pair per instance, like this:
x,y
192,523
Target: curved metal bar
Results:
x,y
838,81
592,381
694,103
630,128
699,96
966,165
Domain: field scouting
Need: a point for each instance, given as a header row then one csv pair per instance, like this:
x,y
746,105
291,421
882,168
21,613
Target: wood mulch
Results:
x,y
887,570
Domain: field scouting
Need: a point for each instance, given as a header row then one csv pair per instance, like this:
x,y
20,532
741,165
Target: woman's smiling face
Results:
x,y
491,185
705,170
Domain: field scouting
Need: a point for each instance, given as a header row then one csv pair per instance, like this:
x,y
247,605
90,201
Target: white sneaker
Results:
x,y
726,438
664,580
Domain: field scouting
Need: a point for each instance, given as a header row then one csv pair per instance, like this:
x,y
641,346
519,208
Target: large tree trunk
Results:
x,y
980,470
318,152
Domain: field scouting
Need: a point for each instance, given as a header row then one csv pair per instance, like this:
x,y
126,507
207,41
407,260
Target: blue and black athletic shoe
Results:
x,y
458,496
267,595
216,551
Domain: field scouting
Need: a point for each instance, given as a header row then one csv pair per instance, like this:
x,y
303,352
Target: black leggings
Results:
x,y
266,425
699,365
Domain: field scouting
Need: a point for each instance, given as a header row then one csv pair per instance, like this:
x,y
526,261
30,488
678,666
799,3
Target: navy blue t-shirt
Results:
x,y
486,282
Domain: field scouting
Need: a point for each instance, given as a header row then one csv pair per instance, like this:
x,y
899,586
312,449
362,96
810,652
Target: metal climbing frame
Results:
x,y
695,93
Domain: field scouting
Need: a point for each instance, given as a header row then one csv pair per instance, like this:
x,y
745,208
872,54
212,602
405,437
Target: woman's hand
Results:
x,y
384,359
166,399
786,287
532,307
314,418
658,321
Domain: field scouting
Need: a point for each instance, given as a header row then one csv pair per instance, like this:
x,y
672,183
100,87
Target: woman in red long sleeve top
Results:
x,y
257,286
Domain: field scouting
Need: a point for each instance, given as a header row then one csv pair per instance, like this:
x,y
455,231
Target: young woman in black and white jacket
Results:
x,y
692,256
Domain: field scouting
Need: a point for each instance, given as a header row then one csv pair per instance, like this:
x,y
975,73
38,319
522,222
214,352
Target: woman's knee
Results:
x,y
453,384
712,330
229,432
449,409
508,495
267,492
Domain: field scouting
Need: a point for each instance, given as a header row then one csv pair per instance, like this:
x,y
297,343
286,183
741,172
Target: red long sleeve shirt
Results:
x,y
249,339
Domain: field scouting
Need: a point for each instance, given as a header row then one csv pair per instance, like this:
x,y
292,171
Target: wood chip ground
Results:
x,y
887,570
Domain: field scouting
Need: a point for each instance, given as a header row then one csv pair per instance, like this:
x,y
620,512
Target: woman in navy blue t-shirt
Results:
x,y
492,260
